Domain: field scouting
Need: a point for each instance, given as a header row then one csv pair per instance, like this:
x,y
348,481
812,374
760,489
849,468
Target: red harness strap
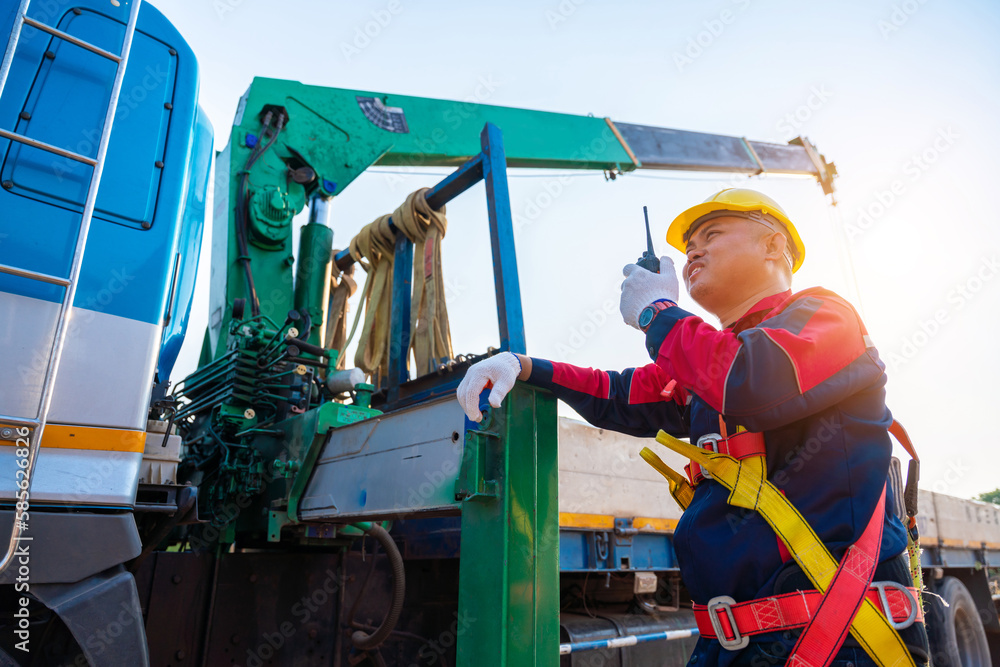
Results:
x,y
739,446
828,629
795,610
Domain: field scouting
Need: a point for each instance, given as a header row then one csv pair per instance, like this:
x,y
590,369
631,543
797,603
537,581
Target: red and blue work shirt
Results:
x,y
798,368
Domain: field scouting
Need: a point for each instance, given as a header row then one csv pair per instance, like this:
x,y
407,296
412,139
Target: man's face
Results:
x,y
724,257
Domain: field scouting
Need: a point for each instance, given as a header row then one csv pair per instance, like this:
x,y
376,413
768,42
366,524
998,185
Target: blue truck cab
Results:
x,y
135,287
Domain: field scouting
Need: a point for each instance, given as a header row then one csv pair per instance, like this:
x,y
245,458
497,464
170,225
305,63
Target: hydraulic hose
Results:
x,y
303,346
361,639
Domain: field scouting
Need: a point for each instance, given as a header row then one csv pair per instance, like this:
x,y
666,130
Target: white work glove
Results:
x,y
642,287
500,371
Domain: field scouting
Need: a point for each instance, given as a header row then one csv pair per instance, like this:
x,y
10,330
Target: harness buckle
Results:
x,y
910,599
725,603
709,441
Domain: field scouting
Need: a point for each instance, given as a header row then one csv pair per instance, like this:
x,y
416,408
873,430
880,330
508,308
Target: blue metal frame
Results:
x,y
580,549
399,316
508,289
623,549
490,166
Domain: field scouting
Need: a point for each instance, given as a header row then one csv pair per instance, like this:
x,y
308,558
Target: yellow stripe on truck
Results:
x,y
62,436
600,521
606,522
654,525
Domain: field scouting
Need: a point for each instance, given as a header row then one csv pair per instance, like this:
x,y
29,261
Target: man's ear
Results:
x,y
774,246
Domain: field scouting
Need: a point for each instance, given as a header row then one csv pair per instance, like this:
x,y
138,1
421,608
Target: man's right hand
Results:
x,y
499,372
642,287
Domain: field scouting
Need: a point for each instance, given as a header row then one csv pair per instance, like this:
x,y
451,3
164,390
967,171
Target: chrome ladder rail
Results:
x,y
69,284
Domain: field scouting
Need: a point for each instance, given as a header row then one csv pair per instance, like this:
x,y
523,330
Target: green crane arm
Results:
x,y
317,140
351,130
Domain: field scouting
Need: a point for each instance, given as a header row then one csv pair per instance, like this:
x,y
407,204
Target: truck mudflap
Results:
x,y
104,615
99,542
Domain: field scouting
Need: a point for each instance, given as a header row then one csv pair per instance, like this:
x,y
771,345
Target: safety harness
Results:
x,y
845,598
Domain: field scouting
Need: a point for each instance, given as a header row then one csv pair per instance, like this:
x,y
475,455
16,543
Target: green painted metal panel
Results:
x,y
509,569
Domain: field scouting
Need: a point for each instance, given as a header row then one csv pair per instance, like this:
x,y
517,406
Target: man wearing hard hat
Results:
x,y
785,405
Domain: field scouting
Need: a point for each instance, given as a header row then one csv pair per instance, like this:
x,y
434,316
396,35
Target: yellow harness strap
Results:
x,y
749,488
681,491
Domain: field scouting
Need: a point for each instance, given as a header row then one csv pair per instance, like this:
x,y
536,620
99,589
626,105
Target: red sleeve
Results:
x,y
807,356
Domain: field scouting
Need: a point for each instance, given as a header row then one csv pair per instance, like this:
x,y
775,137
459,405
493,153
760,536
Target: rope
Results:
x,y
342,287
375,243
430,334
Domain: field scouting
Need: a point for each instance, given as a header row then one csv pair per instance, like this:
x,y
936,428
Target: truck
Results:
x,y
276,506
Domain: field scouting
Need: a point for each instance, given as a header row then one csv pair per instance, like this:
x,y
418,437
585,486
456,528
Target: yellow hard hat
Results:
x,y
739,200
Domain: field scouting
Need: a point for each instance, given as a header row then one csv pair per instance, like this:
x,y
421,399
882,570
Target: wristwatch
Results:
x,y
650,311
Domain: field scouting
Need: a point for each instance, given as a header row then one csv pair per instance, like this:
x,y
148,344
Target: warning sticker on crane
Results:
x,y
391,119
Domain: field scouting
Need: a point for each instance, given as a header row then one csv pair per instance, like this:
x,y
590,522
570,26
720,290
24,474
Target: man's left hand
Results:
x,y
642,287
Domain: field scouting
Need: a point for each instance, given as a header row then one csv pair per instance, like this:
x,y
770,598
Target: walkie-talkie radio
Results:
x,y
649,260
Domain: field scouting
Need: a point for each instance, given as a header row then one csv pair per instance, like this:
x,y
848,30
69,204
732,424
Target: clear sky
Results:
x,y
903,96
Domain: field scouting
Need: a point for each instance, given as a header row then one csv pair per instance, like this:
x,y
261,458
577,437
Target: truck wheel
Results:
x,y
955,632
